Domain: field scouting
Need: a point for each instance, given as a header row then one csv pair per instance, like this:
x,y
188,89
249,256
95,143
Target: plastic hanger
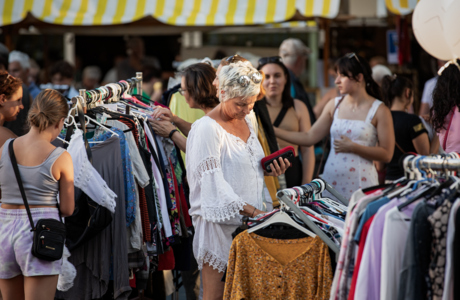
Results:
x,y
284,218
103,127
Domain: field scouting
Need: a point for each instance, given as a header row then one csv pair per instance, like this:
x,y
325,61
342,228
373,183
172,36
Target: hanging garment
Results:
x,y
395,233
449,274
416,260
86,177
439,221
92,259
362,242
348,172
341,276
128,175
158,176
266,268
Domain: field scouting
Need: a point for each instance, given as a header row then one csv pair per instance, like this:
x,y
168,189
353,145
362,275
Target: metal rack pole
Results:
x,y
139,83
83,95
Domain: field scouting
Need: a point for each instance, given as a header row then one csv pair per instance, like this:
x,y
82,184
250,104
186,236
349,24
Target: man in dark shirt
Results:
x,y
294,54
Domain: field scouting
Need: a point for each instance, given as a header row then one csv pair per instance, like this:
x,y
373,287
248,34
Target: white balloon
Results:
x,y
452,27
427,22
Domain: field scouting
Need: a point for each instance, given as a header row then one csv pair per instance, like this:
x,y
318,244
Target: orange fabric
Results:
x,y
265,268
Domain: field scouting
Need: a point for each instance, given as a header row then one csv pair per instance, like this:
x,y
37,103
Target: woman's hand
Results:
x,y
278,168
250,211
163,114
162,128
344,145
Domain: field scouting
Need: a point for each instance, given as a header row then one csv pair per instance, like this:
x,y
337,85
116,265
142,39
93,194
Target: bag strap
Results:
x,y
337,106
14,163
400,148
280,116
19,180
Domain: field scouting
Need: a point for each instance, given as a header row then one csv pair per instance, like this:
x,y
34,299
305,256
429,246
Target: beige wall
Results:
x,y
209,51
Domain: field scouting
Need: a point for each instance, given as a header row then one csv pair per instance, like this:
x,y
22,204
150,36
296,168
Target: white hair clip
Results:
x,y
450,62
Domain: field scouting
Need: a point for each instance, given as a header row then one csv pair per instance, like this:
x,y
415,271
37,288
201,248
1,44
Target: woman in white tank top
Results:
x,y
361,129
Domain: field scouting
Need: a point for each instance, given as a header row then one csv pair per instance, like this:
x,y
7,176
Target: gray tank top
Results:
x,y
39,183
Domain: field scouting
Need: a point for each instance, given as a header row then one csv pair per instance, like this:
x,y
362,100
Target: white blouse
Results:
x,y
224,174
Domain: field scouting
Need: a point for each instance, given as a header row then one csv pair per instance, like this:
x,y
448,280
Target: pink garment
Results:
x,y
450,142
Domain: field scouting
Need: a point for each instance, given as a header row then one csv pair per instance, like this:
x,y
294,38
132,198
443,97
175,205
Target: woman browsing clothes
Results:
x,y
224,172
361,129
199,93
45,170
288,114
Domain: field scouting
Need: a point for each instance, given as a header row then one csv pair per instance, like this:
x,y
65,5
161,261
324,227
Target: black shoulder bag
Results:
x,y
49,234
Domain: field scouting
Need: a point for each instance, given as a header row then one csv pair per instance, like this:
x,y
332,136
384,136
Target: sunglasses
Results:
x,y
245,79
233,58
182,91
269,59
351,55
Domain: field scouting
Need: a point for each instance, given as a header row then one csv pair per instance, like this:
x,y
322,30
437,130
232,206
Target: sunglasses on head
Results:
x,y
351,55
270,59
233,58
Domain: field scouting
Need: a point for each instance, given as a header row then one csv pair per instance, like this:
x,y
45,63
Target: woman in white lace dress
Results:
x,y
224,172
361,129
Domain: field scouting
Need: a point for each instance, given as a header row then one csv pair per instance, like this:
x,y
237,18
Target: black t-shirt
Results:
x,y
407,127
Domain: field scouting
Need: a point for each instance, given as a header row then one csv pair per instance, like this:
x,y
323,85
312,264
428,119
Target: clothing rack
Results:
x,y
284,197
109,91
317,188
449,162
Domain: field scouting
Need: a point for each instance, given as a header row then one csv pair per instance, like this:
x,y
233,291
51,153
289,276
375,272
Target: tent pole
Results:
x,y
69,47
313,59
326,51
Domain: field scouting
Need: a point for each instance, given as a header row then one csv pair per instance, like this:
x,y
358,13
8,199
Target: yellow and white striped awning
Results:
x,y
401,7
173,12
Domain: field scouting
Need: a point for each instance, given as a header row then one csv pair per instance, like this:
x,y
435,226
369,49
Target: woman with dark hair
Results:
x,y
410,134
288,114
10,103
445,112
356,122
199,93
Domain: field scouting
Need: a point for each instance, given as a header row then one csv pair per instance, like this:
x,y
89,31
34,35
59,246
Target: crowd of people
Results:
x,y
245,113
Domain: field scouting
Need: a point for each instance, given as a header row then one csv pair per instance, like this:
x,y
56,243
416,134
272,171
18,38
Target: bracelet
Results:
x,y
172,132
253,212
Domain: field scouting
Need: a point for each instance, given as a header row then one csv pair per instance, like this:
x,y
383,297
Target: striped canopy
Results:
x,y
172,12
401,7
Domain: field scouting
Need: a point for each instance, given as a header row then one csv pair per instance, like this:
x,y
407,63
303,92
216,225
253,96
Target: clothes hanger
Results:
x,y
284,218
284,198
103,127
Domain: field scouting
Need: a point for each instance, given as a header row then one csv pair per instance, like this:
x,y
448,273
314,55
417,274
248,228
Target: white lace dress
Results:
x,y
348,172
224,174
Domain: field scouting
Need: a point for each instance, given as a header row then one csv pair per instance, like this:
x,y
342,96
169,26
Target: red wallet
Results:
x,y
287,152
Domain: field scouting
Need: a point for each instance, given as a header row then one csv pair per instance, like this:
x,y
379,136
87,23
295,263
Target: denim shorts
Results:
x,y
16,244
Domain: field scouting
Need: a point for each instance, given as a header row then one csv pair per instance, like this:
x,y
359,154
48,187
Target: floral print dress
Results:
x,y
348,172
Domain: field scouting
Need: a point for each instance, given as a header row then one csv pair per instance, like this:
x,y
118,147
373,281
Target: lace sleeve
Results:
x,y
218,200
